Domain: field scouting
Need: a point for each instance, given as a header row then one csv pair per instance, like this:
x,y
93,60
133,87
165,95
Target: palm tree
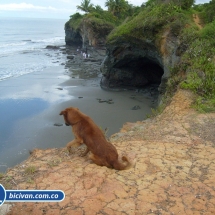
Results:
x,y
116,7
111,5
85,6
121,7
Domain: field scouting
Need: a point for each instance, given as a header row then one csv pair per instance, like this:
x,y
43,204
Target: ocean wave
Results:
x,y
49,40
28,62
23,43
5,45
26,46
21,71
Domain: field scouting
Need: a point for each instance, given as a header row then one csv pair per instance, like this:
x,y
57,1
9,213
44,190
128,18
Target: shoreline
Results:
x,y
32,104
24,101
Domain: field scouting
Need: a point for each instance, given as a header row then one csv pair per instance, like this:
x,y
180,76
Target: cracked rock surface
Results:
x,y
173,170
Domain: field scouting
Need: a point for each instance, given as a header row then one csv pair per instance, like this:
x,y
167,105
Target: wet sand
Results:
x,y
30,107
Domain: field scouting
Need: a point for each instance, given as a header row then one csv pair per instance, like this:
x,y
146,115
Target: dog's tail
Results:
x,y
122,166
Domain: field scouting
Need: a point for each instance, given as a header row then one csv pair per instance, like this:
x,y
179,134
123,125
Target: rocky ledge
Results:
x,y
173,170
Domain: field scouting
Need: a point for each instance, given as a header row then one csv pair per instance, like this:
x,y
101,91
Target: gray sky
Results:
x,y
60,9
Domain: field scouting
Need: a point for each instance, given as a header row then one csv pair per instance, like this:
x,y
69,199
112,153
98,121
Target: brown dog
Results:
x,y
86,132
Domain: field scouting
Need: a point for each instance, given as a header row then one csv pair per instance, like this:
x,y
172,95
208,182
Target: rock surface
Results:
x,y
173,170
80,66
139,62
89,33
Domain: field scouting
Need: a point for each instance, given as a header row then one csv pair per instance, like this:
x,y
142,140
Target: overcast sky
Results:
x,y
60,9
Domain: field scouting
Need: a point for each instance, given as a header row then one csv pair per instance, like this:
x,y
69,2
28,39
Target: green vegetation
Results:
x,y
200,69
30,170
74,22
85,6
118,11
196,69
149,22
121,8
206,11
1,175
6,181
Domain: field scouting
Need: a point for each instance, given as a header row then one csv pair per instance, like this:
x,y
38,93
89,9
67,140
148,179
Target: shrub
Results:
x,y
208,11
74,21
201,72
208,32
149,22
30,170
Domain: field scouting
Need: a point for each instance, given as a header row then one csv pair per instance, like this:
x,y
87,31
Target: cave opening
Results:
x,y
138,72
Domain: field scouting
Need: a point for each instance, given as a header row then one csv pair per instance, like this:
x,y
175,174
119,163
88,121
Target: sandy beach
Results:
x,y
30,106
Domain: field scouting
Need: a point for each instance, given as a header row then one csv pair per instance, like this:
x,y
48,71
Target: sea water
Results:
x,y
29,75
23,44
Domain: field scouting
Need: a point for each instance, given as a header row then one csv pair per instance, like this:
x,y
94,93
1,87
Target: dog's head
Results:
x,y
71,115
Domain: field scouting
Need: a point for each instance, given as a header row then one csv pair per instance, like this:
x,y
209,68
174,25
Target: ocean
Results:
x,y
29,78
23,42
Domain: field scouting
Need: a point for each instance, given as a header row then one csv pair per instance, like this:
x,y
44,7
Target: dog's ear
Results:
x,y
63,112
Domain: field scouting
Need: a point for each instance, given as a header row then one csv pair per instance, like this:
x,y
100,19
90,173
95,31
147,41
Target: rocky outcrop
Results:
x,y
89,33
94,33
130,61
72,37
138,63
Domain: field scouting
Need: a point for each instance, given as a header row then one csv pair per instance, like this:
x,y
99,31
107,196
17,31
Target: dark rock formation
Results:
x,y
52,47
73,37
71,57
89,33
130,64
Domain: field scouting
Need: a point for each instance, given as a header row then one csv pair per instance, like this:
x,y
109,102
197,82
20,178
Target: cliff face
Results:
x,y
90,32
142,50
72,37
139,62
128,62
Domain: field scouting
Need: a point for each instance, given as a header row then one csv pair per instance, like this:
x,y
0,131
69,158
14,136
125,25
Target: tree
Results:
x,y
85,6
117,7
76,16
186,4
209,13
97,9
111,5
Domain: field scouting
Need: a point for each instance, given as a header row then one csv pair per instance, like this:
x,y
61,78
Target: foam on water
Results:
x,y
23,43
25,69
26,45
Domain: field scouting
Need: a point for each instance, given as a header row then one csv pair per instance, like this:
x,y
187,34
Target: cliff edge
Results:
x,y
173,170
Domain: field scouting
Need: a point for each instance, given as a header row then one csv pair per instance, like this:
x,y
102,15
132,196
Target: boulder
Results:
x,y
52,47
71,57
